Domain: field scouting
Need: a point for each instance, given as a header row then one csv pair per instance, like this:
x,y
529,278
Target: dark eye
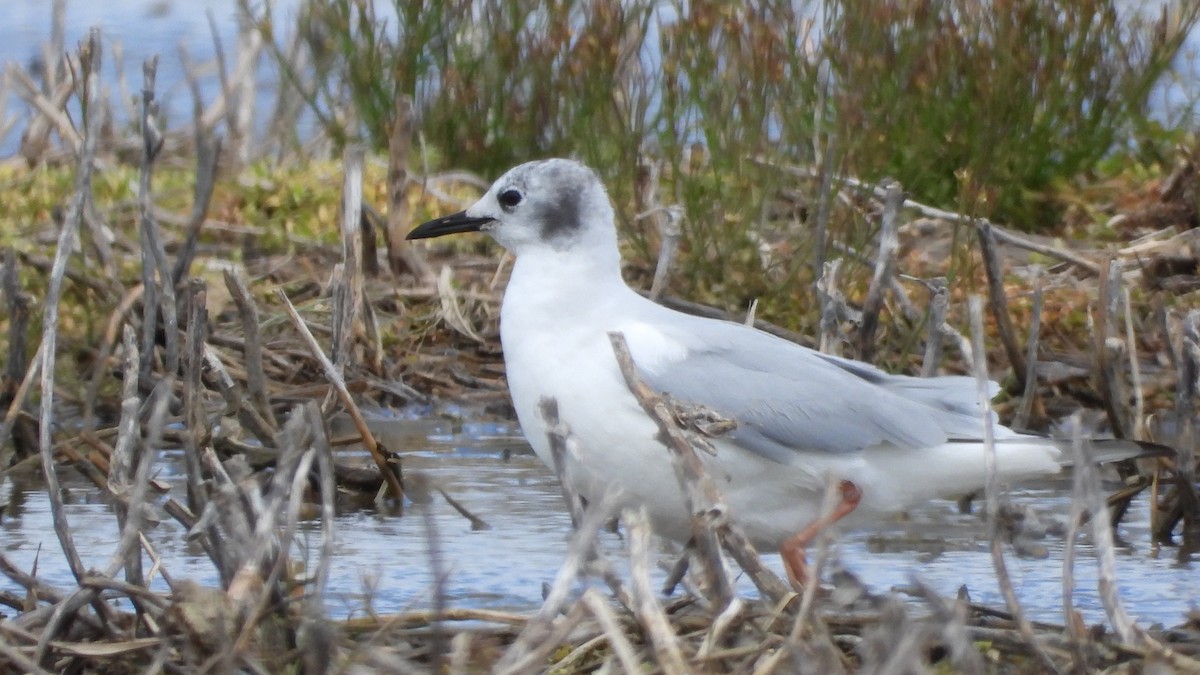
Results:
x,y
509,198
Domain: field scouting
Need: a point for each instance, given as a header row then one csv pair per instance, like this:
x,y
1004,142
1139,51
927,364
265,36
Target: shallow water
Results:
x,y
490,470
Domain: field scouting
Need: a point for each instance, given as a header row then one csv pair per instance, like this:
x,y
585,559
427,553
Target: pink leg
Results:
x,y
795,559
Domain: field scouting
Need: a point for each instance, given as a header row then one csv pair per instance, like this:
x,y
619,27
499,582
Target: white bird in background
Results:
x,y
802,418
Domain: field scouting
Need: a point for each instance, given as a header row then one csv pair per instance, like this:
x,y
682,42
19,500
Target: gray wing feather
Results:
x,y
787,399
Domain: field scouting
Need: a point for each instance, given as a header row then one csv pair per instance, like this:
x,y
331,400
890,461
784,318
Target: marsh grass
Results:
x,y
986,108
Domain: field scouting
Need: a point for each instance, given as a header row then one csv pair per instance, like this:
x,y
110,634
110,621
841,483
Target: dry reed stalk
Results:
x,y
1108,376
1186,399
208,155
35,140
833,304
939,305
1135,371
562,447
998,301
710,519
603,613
825,197
339,385
90,56
1029,396
995,535
403,257
124,463
158,295
1091,498
1076,631
704,502
885,269
252,350
19,373
668,652
195,415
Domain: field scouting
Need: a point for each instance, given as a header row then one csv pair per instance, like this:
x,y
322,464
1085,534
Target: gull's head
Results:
x,y
548,205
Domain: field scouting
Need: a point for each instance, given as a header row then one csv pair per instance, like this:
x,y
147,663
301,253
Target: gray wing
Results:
x,y
787,399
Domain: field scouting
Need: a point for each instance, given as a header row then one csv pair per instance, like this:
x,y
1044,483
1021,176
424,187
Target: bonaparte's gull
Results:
x,y
802,418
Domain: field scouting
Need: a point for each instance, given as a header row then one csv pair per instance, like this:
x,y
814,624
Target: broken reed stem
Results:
x,y
66,245
1186,397
832,301
256,380
193,395
706,505
1073,621
1138,427
808,598
1092,498
339,385
403,257
667,652
16,368
665,220
158,294
1028,397
670,233
348,286
885,264
711,525
998,301
939,306
123,463
993,488
558,435
208,155
620,645
1108,351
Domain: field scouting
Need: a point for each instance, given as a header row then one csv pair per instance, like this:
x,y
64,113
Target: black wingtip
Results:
x,y
1116,449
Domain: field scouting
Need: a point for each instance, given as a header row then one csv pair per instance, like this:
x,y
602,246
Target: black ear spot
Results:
x,y
509,199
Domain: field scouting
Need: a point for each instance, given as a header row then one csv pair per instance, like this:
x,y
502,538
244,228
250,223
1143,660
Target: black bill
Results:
x,y
451,224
